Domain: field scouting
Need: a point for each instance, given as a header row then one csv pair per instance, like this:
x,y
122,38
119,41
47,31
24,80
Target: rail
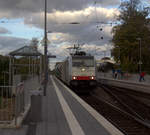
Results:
x,y
130,111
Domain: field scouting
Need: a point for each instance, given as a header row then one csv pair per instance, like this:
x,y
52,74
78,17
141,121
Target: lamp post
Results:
x,y
45,51
119,55
140,54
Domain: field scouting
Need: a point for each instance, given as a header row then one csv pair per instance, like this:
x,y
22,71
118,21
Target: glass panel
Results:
x,y
83,63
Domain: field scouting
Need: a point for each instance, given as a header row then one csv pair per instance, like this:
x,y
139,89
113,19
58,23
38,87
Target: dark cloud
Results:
x,y
20,8
86,31
4,31
75,10
8,44
83,33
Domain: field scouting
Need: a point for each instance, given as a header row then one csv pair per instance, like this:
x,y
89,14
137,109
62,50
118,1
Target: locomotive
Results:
x,y
78,69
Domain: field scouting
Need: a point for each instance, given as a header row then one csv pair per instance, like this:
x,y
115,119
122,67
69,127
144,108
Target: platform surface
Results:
x,y
63,114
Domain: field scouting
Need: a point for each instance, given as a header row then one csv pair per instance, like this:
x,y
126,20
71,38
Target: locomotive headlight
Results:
x,y
92,77
83,69
74,77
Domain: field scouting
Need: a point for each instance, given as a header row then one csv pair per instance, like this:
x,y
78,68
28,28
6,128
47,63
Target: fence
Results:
x,y
12,103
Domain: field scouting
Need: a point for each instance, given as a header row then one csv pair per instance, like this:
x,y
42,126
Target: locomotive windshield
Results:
x,y
82,62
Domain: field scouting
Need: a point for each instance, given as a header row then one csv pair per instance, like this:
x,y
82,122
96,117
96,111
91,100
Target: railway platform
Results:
x,y
64,113
132,82
127,77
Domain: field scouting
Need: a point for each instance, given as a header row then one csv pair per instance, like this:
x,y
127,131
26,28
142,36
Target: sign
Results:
x,y
51,56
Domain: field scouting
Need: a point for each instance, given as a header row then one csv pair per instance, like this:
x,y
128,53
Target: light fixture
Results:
x,y
74,77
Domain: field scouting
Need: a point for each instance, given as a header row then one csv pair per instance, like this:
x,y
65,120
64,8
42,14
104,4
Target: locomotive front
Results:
x,y
83,71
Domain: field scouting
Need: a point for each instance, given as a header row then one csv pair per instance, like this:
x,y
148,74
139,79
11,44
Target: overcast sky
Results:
x,y
21,20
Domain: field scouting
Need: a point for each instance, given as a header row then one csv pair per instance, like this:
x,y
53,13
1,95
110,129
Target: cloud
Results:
x,y
22,7
86,31
59,14
64,35
86,15
8,44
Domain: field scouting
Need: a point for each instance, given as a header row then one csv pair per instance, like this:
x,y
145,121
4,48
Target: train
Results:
x,y
78,70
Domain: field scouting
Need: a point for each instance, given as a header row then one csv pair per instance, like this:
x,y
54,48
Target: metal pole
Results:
x,y
32,66
104,54
40,68
10,71
13,69
36,58
119,54
29,66
104,62
4,79
45,50
140,55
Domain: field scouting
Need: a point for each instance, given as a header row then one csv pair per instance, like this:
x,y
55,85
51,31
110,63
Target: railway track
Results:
x,y
134,106
117,112
140,96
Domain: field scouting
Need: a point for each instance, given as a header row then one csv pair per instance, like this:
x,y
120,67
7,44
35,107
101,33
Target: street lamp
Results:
x,y
104,61
140,54
45,51
119,55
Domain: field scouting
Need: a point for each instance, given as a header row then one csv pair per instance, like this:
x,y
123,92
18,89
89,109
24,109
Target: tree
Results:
x,y
4,69
43,42
34,43
134,23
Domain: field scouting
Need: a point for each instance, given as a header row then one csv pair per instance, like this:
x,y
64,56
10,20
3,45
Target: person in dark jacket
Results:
x,y
113,72
116,74
142,74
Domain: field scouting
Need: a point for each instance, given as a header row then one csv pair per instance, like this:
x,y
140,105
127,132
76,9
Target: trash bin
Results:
x,y
36,106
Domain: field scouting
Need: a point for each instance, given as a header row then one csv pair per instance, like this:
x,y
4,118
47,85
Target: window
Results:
x,y
83,62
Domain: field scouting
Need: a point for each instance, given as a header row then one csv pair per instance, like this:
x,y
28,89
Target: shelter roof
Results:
x,y
106,61
26,51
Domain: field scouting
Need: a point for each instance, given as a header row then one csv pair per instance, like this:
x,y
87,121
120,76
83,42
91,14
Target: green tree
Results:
x,y
133,23
43,42
34,43
4,69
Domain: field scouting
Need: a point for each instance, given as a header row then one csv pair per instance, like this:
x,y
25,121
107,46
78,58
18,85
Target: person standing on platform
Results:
x,y
142,74
119,73
113,72
116,74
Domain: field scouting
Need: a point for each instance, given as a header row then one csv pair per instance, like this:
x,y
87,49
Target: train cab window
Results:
x,y
83,62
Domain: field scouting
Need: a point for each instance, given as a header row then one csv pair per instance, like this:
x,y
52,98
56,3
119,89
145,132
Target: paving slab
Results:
x,y
54,121
20,131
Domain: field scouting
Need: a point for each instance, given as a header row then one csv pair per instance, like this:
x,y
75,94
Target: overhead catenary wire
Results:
x,y
96,11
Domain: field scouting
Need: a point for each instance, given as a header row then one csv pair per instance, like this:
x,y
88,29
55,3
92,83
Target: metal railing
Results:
x,y
19,101
11,103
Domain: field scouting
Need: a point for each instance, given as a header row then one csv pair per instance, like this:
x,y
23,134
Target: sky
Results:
x,y
22,20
